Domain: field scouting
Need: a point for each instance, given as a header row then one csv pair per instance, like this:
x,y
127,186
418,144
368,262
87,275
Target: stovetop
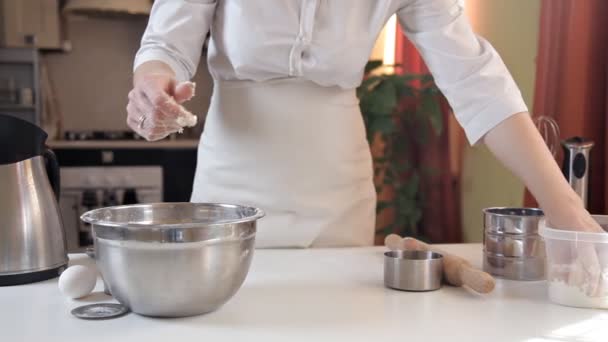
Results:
x,y
100,135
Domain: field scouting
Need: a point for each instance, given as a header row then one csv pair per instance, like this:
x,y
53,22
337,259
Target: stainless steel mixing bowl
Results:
x,y
174,259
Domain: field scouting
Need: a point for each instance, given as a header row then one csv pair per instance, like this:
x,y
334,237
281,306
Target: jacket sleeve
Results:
x,y
175,34
466,68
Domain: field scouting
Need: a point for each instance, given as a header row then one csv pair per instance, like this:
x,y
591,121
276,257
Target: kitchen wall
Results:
x,y
512,28
93,79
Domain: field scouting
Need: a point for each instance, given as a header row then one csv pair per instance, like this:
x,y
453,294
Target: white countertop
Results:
x,y
317,295
130,144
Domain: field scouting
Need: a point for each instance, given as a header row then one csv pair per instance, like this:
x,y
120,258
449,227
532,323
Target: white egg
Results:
x,y
77,281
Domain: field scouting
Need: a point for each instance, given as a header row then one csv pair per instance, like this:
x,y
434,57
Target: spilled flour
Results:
x,y
564,294
186,119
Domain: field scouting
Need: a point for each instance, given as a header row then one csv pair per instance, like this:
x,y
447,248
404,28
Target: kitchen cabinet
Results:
x,y
19,84
30,23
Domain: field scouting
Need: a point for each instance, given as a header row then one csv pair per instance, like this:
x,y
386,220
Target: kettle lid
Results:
x,y
19,140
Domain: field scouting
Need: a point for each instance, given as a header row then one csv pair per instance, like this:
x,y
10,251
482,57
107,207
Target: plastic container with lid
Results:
x,y
577,265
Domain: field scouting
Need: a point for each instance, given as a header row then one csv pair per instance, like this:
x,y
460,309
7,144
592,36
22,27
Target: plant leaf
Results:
x,y
368,84
383,100
431,109
403,131
422,135
388,229
389,178
383,205
411,188
402,86
372,65
382,124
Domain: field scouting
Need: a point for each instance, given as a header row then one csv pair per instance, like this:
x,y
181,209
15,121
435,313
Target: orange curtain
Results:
x,y
441,214
571,82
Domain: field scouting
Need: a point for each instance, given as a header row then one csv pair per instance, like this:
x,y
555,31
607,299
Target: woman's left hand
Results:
x,y
518,144
582,262
579,266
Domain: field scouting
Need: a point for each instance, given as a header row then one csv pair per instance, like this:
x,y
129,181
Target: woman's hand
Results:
x,y
154,110
517,143
581,263
519,146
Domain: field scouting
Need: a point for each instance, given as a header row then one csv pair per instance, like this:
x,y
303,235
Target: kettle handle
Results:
x,y
52,169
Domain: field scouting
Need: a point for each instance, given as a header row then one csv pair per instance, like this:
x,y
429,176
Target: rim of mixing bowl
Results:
x,y
92,218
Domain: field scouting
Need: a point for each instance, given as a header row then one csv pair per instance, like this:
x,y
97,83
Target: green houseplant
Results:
x,y
401,113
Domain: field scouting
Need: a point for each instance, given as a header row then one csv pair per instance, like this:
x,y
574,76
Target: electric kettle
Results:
x,y
32,238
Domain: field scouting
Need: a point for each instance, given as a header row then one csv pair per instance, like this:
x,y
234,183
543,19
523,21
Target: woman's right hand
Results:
x,y
154,110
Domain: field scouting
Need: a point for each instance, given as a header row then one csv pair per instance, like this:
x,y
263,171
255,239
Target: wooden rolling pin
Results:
x,y
456,270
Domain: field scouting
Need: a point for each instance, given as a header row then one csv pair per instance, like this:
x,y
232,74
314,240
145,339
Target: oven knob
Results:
x,y
109,198
130,196
89,199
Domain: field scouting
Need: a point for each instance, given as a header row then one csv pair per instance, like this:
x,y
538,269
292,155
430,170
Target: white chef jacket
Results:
x,y
329,42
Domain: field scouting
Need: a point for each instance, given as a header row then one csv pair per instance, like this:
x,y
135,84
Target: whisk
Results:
x,y
549,130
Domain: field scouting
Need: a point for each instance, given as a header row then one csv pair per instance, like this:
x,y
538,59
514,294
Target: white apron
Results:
x,y
298,151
